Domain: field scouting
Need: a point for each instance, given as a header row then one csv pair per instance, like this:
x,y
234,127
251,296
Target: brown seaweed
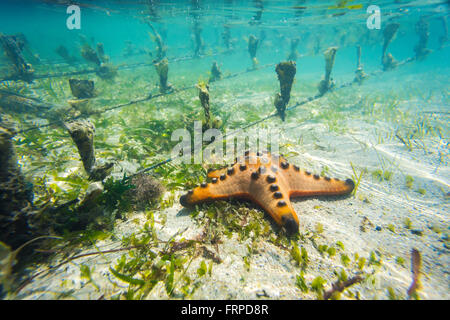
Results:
x,y
216,74
82,89
416,264
253,43
162,69
64,53
444,37
17,103
16,193
82,133
293,55
360,75
203,95
101,53
387,59
340,286
13,50
421,49
286,73
90,55
327,83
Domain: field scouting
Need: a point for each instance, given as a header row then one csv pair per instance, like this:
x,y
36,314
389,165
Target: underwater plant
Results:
x,y
101,53
16,193
327,83
64,53
293,55
203,95
18,103
226,36
421,49
360,75
107,71
90,55
82,133
145,189
162,69
198,40
82,89
387,59
161,48
13,49
252,48
444,37
286,73
216,74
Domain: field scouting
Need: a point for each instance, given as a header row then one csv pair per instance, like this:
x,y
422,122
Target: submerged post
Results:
x,y
286,73
327,83
387,59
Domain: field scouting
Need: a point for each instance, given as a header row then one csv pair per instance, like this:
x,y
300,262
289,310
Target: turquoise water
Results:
x,y
388,133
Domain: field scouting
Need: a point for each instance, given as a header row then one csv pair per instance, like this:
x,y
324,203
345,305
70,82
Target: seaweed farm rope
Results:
x,y
142,99
300,103
120,67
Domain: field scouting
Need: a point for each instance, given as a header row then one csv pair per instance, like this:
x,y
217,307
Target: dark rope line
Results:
x,y
139,100
120,67
310,99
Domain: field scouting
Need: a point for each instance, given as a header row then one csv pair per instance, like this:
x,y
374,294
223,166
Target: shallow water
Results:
x,y
389,134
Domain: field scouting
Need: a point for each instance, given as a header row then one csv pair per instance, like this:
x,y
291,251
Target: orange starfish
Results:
x,y
269,181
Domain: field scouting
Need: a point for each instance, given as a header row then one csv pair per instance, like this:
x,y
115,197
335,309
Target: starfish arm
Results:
x,y
276,203
216,173
303,183
225,183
